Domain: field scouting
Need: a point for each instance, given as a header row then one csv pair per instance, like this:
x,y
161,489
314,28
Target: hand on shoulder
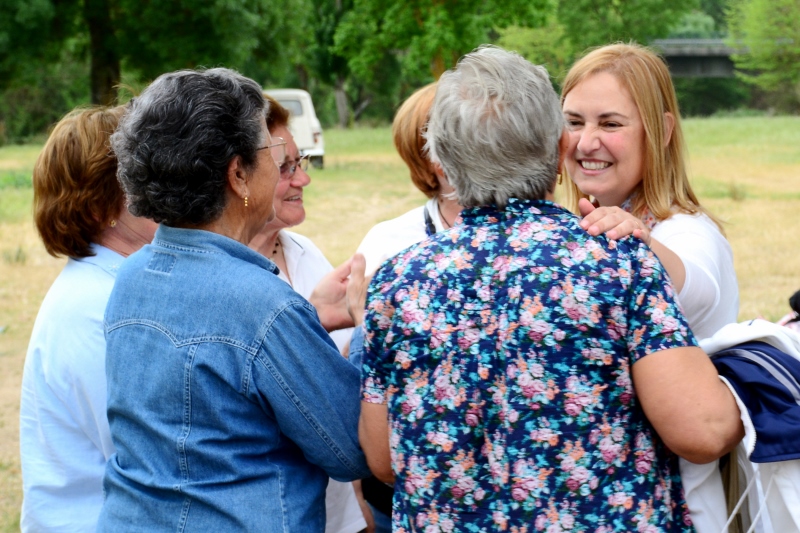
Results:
x,y
614,222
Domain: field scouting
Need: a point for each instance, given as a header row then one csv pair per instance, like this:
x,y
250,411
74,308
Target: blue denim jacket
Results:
x,y
228,403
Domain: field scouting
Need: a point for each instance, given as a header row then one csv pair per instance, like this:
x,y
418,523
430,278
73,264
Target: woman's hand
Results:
x,y
329,298
357,289
613,221
616,224
340,296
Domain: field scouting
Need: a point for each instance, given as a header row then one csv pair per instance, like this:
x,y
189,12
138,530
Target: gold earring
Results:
x,y
559,178
245,201
113,223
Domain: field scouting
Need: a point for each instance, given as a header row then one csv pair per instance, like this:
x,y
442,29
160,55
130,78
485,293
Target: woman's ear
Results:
x,y
669,126
438,170
237,177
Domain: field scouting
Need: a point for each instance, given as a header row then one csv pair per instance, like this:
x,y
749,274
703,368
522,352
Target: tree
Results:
x,y
330,67
147,38
769,31
574,25
427,37
705,96
597,22
545,46
716,10
33,30
165,35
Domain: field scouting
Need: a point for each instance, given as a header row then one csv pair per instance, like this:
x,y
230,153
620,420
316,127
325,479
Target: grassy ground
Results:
x,y
746,170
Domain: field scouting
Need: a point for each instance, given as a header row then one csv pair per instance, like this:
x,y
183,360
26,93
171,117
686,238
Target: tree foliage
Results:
x,y
596,22
358,58
695,25
144,37
159,36
33,30
572,26
545,46
427,37
769,31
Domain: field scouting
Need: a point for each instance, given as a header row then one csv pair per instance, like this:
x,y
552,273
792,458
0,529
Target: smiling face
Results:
x,y
289,210
606,150
263,182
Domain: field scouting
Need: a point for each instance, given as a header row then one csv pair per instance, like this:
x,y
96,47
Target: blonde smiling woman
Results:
x,y
626,152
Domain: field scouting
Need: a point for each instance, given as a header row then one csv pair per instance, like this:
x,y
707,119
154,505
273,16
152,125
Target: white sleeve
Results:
x,y
710,294
386,239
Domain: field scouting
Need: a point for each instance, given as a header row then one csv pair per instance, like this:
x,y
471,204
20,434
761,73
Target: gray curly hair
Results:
x,y
176,139
494,128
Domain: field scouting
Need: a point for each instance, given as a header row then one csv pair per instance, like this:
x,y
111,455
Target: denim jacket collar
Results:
x,y
201,241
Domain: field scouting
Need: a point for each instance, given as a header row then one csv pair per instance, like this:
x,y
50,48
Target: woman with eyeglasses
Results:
x,y
302,265
220,399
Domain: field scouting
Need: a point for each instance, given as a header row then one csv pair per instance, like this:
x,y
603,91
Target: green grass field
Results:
x,y
746,170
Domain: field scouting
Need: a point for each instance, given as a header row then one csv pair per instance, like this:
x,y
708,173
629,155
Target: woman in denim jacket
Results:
x,y
220,403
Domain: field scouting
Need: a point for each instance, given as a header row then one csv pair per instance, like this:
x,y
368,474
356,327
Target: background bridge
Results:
x,y
697,58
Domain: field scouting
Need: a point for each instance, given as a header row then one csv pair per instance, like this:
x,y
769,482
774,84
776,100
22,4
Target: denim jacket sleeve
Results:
x,y
355,353
312,390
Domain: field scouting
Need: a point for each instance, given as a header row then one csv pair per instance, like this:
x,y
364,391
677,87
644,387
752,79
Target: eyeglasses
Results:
x,y
290,167
277,149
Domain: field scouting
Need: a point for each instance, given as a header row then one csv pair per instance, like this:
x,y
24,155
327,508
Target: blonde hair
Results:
x,y
407,131
665,184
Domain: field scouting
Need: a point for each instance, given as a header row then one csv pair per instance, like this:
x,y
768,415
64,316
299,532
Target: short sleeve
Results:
x,y
710,294
655,320
377,368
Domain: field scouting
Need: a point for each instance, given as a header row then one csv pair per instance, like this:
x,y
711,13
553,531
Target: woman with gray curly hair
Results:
x,y
219,399
519,372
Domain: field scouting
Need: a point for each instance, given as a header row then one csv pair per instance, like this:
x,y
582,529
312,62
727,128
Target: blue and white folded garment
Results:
x,y
760,363
766,381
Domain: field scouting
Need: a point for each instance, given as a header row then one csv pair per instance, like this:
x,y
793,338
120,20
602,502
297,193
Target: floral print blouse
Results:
x,y
503,349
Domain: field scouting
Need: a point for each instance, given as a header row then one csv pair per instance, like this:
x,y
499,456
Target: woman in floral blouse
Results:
x,y
529,376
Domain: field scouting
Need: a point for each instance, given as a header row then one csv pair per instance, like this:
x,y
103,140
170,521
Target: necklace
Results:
x,y
277,245
441,214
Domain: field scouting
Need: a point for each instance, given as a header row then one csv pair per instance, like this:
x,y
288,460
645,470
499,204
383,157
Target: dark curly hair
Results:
x,y
176,140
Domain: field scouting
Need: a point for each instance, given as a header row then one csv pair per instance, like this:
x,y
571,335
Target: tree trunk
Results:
x,y
437,65
341,102
361,107
105,69
302,76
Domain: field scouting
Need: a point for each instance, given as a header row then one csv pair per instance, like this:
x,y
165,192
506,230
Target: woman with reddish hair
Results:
x,y
79,210
439,213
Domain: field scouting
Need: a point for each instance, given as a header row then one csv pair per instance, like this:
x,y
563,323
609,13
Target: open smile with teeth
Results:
x,y
594,165
294,198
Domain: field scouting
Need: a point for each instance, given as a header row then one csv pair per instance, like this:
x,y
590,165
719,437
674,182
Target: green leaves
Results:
x,y
769,31
597,22
427,37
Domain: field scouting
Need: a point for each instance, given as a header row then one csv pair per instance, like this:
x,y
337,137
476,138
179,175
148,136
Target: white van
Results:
x,y
303,124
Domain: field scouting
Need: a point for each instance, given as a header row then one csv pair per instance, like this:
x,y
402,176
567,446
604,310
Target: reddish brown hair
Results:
x,y
75,189
407,131
278,115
